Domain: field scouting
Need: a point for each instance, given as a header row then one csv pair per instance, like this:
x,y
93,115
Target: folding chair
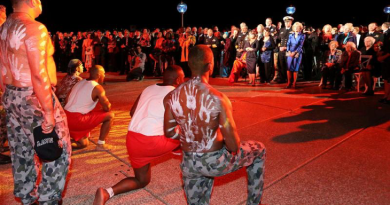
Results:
x,y
364,62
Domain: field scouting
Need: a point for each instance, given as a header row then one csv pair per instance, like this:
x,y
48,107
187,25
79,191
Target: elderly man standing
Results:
x,y
28,75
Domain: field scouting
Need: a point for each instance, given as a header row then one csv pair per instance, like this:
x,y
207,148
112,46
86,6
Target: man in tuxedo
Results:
x,y
373,33
201,36
241,40
268,24
212,42
386,36
124,46
282,44
100,46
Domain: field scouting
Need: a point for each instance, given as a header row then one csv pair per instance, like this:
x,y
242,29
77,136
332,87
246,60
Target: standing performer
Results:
x,y
28,75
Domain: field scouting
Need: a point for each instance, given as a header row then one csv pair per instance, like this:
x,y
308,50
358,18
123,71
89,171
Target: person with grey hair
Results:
x,y
372,69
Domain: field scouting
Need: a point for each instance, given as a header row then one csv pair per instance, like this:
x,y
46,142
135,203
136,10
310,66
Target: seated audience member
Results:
x,y
330,68
137,65
208,134
350,60
75,68
81,113
145,138
238,65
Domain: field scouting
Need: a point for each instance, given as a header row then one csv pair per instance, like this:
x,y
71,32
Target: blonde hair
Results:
x,y
296,24
327,28
349,26
261,27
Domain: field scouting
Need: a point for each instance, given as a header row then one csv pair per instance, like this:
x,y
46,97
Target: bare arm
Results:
x,y
100,94
134,108
170,124
51,65
228,126
37,57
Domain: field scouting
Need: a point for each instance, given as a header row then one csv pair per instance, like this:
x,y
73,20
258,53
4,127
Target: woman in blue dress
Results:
x,y
267,45
294,53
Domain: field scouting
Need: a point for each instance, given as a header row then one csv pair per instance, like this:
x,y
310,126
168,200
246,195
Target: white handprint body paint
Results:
x,y
207,107
32,43
189,126
17,36
15,67
191,92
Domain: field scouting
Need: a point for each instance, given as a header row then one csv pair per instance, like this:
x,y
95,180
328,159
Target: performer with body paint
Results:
x,y
28,74
145,138
208,134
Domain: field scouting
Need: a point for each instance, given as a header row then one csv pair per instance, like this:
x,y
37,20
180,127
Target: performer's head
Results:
x,y
200,60
33,7
173,75
97,74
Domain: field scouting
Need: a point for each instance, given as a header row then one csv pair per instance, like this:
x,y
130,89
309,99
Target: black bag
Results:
x,y
46,145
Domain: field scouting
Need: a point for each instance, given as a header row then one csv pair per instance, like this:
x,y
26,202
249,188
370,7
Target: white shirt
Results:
x,y
148,117
80,98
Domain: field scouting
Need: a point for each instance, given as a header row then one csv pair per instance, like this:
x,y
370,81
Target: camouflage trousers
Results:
x,y
199,169
3,128
24,113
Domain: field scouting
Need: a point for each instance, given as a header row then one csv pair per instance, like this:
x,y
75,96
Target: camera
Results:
x,y
132,52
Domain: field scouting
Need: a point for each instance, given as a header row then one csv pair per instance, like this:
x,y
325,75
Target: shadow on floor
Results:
x,y
341,114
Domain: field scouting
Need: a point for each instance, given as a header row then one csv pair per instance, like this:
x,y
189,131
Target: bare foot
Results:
x,y
101,197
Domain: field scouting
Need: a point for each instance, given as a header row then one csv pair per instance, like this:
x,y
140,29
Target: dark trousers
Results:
x,y
348,79
329,74
135,73
112,62
308,58
217,58
123,62
100,60
268,71
282,66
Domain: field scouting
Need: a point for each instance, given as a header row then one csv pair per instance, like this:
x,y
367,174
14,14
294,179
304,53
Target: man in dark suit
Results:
x,y
124,47
241,40
100,46
282,44
268,24
212,42
386,37
373,33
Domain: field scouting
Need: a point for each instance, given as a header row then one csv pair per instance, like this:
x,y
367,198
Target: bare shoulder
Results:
x,y
219,97
35,28
99,89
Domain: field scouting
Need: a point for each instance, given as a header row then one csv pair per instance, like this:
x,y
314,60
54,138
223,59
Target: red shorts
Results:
x,y
81,124
144,149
